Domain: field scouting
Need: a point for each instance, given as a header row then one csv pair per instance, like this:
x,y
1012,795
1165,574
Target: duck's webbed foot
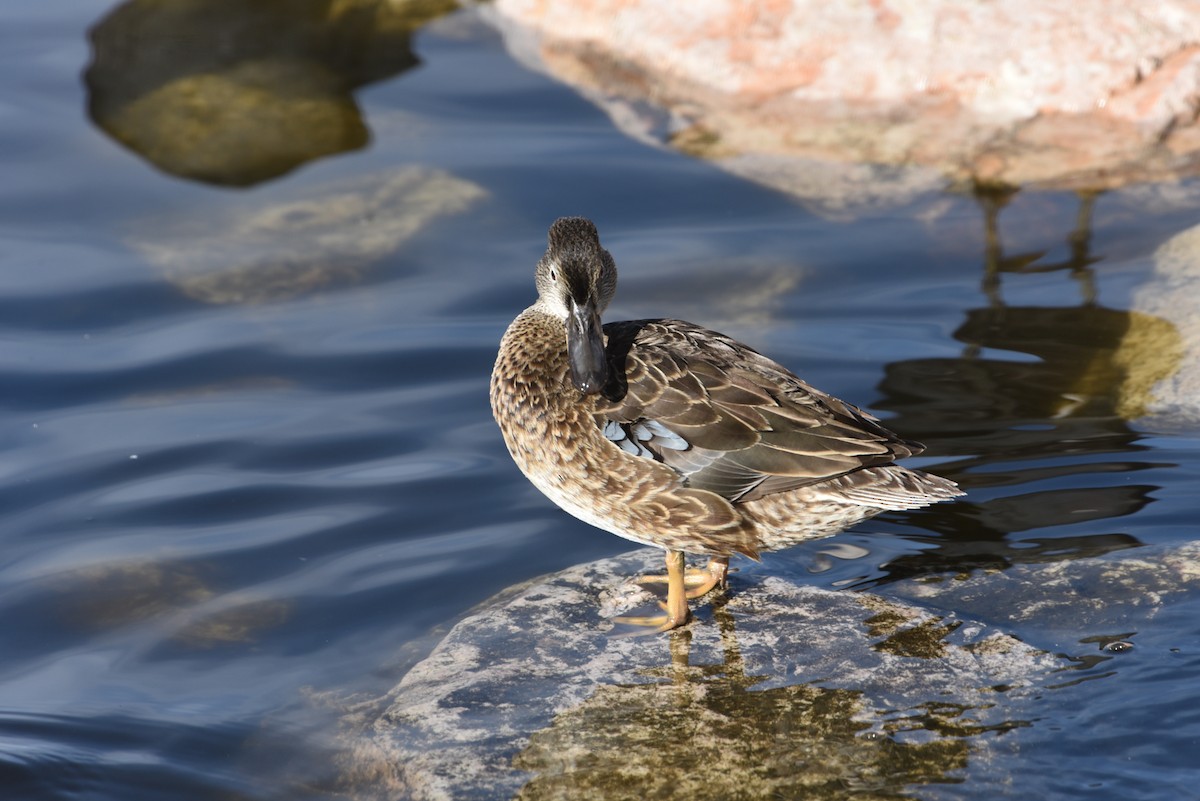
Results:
x,y
682,585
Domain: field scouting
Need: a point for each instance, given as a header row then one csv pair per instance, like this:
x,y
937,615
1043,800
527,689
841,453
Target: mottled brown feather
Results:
x,y
758,428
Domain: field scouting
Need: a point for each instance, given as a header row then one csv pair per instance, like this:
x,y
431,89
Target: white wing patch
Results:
x,y
638,438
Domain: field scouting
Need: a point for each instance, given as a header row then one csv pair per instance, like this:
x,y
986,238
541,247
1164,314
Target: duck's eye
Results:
x,y
553,275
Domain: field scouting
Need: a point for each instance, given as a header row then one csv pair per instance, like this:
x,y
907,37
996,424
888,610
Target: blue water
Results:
x,y
225,517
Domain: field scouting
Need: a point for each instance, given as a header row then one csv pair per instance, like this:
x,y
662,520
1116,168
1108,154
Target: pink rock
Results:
x,y
1045,92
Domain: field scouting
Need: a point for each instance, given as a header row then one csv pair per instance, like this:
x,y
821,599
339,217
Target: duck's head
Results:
x,y
576,279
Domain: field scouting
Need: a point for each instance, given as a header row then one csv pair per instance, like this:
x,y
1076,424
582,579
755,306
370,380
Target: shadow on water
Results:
x,y
232,93
1060,417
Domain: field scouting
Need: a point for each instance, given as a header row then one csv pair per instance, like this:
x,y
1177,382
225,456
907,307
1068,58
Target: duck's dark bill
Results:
x,y
585,347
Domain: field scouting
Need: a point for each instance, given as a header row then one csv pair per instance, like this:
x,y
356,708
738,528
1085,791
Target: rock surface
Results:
x,y
902,95
783,689
1173,293
1070,600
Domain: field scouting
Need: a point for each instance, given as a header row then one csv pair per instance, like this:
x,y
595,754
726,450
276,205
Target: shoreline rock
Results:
x,y
901,97
531,695
1171,294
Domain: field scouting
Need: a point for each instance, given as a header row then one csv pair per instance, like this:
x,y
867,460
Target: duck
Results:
x,y
675,436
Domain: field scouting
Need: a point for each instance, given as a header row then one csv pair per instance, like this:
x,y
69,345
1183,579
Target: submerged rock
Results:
x,y
251,251
176,597
1073,600
780,690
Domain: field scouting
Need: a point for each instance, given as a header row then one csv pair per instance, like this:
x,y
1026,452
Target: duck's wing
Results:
x,y
727,418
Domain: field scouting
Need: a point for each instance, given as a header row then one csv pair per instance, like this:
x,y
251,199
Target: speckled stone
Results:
x,y
783,689
1071,600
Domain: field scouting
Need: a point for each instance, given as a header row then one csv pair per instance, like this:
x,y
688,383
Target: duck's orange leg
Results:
x,y
698,582
676,607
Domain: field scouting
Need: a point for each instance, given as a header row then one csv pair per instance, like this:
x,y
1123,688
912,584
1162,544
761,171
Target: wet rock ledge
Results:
x,y
779,690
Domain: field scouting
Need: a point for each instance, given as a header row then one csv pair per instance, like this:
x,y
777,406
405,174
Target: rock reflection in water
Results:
x,y
234,93
1062,416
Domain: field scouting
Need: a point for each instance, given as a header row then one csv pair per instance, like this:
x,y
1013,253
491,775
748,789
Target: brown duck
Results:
x,y
675,436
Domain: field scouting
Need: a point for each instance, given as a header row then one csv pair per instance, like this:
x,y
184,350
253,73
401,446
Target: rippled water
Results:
x,y
250,472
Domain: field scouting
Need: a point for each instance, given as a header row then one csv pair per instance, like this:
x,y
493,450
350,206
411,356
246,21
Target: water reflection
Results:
x,y
1060,417
992,200
234,93
706,731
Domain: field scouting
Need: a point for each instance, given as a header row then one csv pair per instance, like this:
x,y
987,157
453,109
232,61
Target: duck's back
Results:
x,y
738,424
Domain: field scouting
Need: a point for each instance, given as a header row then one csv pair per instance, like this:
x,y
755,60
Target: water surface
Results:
x,y
250,471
